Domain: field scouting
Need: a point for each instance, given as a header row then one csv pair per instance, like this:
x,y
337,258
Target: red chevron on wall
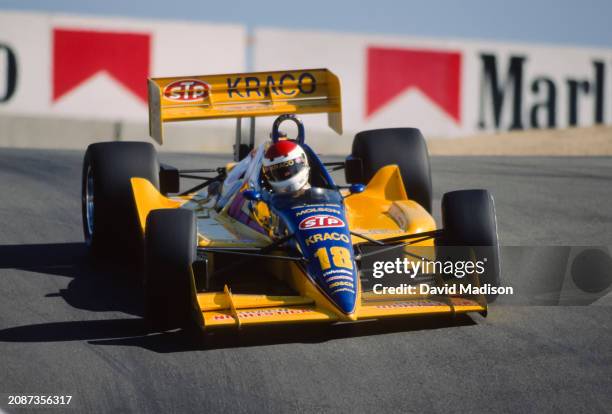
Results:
x,y
392,71
80,54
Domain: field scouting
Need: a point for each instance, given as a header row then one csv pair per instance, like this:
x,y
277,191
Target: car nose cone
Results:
x,y
345,300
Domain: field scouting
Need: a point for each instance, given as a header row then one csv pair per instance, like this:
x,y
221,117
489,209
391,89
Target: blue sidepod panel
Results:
x,y
318,220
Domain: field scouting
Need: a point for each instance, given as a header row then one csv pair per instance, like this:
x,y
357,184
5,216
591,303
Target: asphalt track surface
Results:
x,y
67,328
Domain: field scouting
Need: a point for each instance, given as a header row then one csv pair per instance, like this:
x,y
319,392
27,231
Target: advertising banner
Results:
x,y
96,68
450,87
76,67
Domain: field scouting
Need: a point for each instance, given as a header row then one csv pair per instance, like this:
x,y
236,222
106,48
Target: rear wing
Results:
x,y
243,95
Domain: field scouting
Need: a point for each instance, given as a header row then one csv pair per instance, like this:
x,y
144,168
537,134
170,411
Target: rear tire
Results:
x,y
469,221
170,250
404,147
110,221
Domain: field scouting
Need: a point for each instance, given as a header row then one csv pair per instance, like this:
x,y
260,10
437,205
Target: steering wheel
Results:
x,y
288,117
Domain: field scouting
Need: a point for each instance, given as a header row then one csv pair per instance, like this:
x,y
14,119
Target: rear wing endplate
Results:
x,y
243,95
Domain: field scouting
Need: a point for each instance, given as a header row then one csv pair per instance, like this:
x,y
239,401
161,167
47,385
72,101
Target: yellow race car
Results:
x,y
231,252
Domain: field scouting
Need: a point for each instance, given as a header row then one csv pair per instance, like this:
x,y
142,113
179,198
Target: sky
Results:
x,y
561,22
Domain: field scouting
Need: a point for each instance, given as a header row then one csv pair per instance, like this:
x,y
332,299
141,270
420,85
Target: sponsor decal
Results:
x,y
330,272
320,221
340,283
263,312
187,90
80,54
317,238
413,304
391,71
284,164
339,277
317,210
286,84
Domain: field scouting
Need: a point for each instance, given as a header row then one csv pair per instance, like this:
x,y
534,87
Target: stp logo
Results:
x,y
186,90
319,221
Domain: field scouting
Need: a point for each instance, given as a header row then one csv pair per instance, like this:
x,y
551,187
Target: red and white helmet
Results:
x,y
285,166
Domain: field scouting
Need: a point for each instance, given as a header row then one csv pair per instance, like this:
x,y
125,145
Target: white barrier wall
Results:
x,y
76,67
449,87
71,67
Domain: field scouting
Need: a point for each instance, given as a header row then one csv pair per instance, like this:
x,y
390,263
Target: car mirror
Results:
x,y
251,195
353,170
169,179
356,188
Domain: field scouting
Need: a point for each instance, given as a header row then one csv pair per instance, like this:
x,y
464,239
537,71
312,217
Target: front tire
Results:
x,y
110,222
470,228
170,250
404,147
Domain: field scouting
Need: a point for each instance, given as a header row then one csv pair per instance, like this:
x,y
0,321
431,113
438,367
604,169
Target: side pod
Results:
x,y
148,198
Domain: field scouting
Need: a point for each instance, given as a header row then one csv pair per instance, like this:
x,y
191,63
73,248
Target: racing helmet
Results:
x,y
285,166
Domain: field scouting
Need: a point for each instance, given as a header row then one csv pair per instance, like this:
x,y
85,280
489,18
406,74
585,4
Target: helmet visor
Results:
x,y
284,170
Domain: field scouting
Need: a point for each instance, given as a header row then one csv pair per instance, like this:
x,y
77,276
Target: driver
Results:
x,y
285,166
